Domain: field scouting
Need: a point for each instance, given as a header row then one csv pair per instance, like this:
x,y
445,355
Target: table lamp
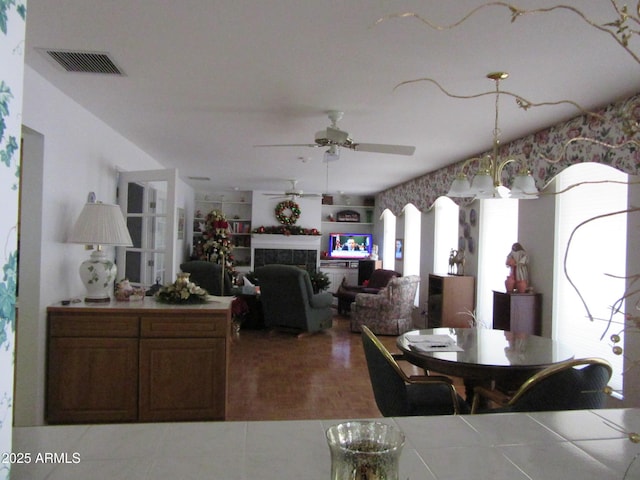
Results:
x,y
99,224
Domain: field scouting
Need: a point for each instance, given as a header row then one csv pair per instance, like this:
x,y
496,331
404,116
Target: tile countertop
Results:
x,y
586,445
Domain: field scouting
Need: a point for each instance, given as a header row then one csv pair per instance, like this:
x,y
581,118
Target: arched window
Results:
x,y
388,239
411,246
498,231
445,233
596,260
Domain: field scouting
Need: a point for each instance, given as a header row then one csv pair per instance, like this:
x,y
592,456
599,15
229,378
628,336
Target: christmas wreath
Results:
x,y
288,212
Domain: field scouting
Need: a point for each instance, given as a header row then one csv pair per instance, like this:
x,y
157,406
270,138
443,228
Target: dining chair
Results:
x,y
570,385
399,395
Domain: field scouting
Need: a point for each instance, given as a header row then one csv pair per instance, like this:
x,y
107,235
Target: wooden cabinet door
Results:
x,y
182,379
92,380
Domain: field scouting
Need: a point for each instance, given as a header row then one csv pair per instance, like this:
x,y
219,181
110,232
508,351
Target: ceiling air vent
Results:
x,y
84,62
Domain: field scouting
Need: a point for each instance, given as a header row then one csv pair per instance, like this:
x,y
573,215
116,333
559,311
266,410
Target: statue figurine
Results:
x,y
518,262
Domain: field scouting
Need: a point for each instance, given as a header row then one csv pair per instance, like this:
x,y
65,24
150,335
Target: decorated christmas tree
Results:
x,y
215,245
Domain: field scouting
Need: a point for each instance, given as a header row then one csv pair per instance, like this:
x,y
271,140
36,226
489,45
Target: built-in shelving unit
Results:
x,y
362,208
236,207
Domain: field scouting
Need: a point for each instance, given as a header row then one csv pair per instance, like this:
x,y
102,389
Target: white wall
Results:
x,y
536,232
80,154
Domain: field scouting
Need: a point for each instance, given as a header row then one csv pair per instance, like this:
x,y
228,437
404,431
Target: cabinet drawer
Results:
x,y
86,325
170,326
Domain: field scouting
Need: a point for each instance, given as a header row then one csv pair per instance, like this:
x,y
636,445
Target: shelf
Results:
x,y
346,206
347,223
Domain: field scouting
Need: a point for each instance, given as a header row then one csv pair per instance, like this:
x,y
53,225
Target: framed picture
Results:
x,y
181,221
398,249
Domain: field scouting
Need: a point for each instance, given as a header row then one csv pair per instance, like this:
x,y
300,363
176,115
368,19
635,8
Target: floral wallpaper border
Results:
x,y
423,191
12,36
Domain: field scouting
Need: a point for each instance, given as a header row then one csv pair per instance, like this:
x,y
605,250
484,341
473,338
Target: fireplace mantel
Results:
x,y
270,240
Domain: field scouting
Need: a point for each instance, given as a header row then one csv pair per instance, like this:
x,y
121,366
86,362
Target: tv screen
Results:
x,y
350,245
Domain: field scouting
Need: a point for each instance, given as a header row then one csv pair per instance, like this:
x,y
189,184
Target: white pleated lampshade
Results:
x,y
100,224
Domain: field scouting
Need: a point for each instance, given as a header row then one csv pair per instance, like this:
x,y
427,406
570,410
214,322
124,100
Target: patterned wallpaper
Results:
x,y
608,127
12,34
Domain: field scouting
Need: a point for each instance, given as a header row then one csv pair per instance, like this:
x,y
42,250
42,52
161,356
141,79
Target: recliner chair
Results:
x,y
288,300
209,276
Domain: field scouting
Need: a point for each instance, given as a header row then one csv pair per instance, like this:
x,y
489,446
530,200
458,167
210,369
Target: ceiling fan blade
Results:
x,y
309,195
382,148
291,145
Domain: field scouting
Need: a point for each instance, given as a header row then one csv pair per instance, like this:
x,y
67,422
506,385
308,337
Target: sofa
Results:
x,y
387,312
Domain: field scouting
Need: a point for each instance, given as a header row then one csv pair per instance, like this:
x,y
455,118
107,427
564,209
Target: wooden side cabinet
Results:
x,y
145,364
451,300
518,312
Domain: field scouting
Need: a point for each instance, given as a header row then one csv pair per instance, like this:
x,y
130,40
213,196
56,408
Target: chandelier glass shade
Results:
x,y
487,181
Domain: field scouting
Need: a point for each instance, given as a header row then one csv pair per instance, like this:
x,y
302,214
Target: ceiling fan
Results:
x,y
333,137
292,193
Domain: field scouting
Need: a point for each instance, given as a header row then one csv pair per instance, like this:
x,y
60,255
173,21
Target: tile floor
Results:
x,y
277,376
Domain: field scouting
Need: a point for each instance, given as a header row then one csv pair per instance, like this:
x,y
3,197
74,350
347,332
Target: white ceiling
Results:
x,y
205,80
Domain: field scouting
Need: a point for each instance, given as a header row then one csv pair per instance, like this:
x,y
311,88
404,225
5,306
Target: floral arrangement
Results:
x,y
182,291
288,212
287,230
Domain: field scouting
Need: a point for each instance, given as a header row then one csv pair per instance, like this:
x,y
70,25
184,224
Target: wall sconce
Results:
x,y
99,224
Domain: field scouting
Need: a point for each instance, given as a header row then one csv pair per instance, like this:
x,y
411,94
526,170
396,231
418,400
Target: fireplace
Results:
x,y
298,250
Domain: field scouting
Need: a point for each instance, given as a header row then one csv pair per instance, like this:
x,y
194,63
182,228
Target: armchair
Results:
x,y
346,294
288,300
209,276
572,385
389,311
399,395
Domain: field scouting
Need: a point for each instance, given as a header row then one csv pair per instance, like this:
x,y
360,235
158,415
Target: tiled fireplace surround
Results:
x,y
303,251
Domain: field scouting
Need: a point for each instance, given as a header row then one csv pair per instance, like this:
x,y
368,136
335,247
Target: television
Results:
x,y
350,245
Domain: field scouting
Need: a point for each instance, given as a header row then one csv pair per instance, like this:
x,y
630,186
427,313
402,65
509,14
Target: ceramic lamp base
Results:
x,y
97,274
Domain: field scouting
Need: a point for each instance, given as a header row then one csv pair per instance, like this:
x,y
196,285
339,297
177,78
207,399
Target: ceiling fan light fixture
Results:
x,y
332,154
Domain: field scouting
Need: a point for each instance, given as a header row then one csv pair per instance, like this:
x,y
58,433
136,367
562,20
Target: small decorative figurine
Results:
x,y
518,263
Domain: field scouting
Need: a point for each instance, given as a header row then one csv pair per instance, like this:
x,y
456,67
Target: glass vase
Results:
x,y
364,450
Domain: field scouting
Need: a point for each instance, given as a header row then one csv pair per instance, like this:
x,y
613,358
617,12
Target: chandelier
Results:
x,y
487,182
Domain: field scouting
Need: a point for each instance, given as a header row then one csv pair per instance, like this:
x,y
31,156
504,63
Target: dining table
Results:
x,y
482,356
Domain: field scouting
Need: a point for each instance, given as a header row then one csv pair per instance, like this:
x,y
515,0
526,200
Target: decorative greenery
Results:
x,y
8,296
290,207
287,230
182,291
320,281
4,7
